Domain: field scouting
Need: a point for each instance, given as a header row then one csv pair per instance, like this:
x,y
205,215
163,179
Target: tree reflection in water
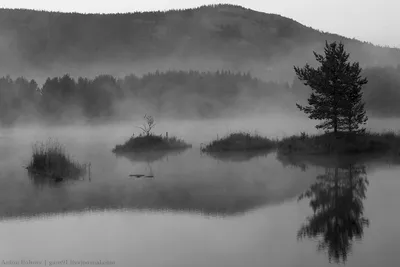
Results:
x,y
336,199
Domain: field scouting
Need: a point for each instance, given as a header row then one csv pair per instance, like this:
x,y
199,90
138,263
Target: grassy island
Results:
x,y
50,160
147,141
341,143
336,101
151,142
240,141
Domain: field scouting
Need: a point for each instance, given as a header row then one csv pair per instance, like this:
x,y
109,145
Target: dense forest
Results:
x,y
183,94
177,93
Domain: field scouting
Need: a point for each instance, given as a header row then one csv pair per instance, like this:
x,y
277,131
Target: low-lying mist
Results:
x,y
171,95
274,124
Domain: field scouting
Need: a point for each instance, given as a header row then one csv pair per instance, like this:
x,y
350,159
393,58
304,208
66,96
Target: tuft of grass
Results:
x,y
51,160
342,143
240,141
151,142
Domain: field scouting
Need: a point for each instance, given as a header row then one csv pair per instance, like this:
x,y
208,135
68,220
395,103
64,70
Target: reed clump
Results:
x,y
50,159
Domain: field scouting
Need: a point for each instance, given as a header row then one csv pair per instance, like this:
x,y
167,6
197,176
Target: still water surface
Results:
x,y
199,210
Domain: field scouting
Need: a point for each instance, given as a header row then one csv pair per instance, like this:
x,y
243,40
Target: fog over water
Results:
x,y
197,210
202,74
274,124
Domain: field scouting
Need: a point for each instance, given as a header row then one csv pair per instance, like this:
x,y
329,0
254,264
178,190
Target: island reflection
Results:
x,y
239,156
186,182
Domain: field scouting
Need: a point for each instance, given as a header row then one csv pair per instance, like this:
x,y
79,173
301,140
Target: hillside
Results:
x,y
39,44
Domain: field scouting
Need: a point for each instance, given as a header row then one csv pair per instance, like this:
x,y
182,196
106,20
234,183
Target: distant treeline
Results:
x,y
180,93
381,94
183,94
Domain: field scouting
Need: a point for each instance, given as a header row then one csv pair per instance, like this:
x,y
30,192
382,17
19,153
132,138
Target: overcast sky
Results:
x,y
368,20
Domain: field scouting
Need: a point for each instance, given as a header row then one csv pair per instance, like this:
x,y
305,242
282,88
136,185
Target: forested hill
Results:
x,y
38,44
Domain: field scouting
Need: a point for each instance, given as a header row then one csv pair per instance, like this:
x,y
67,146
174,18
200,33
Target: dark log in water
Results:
x,y
141,175
136,175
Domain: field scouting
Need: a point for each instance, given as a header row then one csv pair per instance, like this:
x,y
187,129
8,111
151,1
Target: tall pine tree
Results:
x,y
336,97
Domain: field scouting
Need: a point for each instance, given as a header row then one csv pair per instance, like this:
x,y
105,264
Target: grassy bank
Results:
x,y
51,160
151,142
239,142
342,143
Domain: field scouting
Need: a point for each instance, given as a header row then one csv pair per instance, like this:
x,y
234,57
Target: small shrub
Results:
x,y
148,125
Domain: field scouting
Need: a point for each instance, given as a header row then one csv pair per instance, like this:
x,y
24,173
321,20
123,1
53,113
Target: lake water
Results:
x,y
197,210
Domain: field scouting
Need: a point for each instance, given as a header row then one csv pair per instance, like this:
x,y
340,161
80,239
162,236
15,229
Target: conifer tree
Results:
x,y
336,97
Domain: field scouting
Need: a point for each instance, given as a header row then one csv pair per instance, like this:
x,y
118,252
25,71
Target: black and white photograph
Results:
x,y
200,133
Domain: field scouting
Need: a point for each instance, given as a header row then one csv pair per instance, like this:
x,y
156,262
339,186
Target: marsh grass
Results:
x,y
51,160
343,143
240,141
151,142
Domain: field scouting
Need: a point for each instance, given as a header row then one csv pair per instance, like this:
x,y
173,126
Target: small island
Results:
x,y
337,102
241,142
147,141
50,160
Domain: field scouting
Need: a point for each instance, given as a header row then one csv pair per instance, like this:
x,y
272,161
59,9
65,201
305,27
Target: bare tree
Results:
x,y
148,125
